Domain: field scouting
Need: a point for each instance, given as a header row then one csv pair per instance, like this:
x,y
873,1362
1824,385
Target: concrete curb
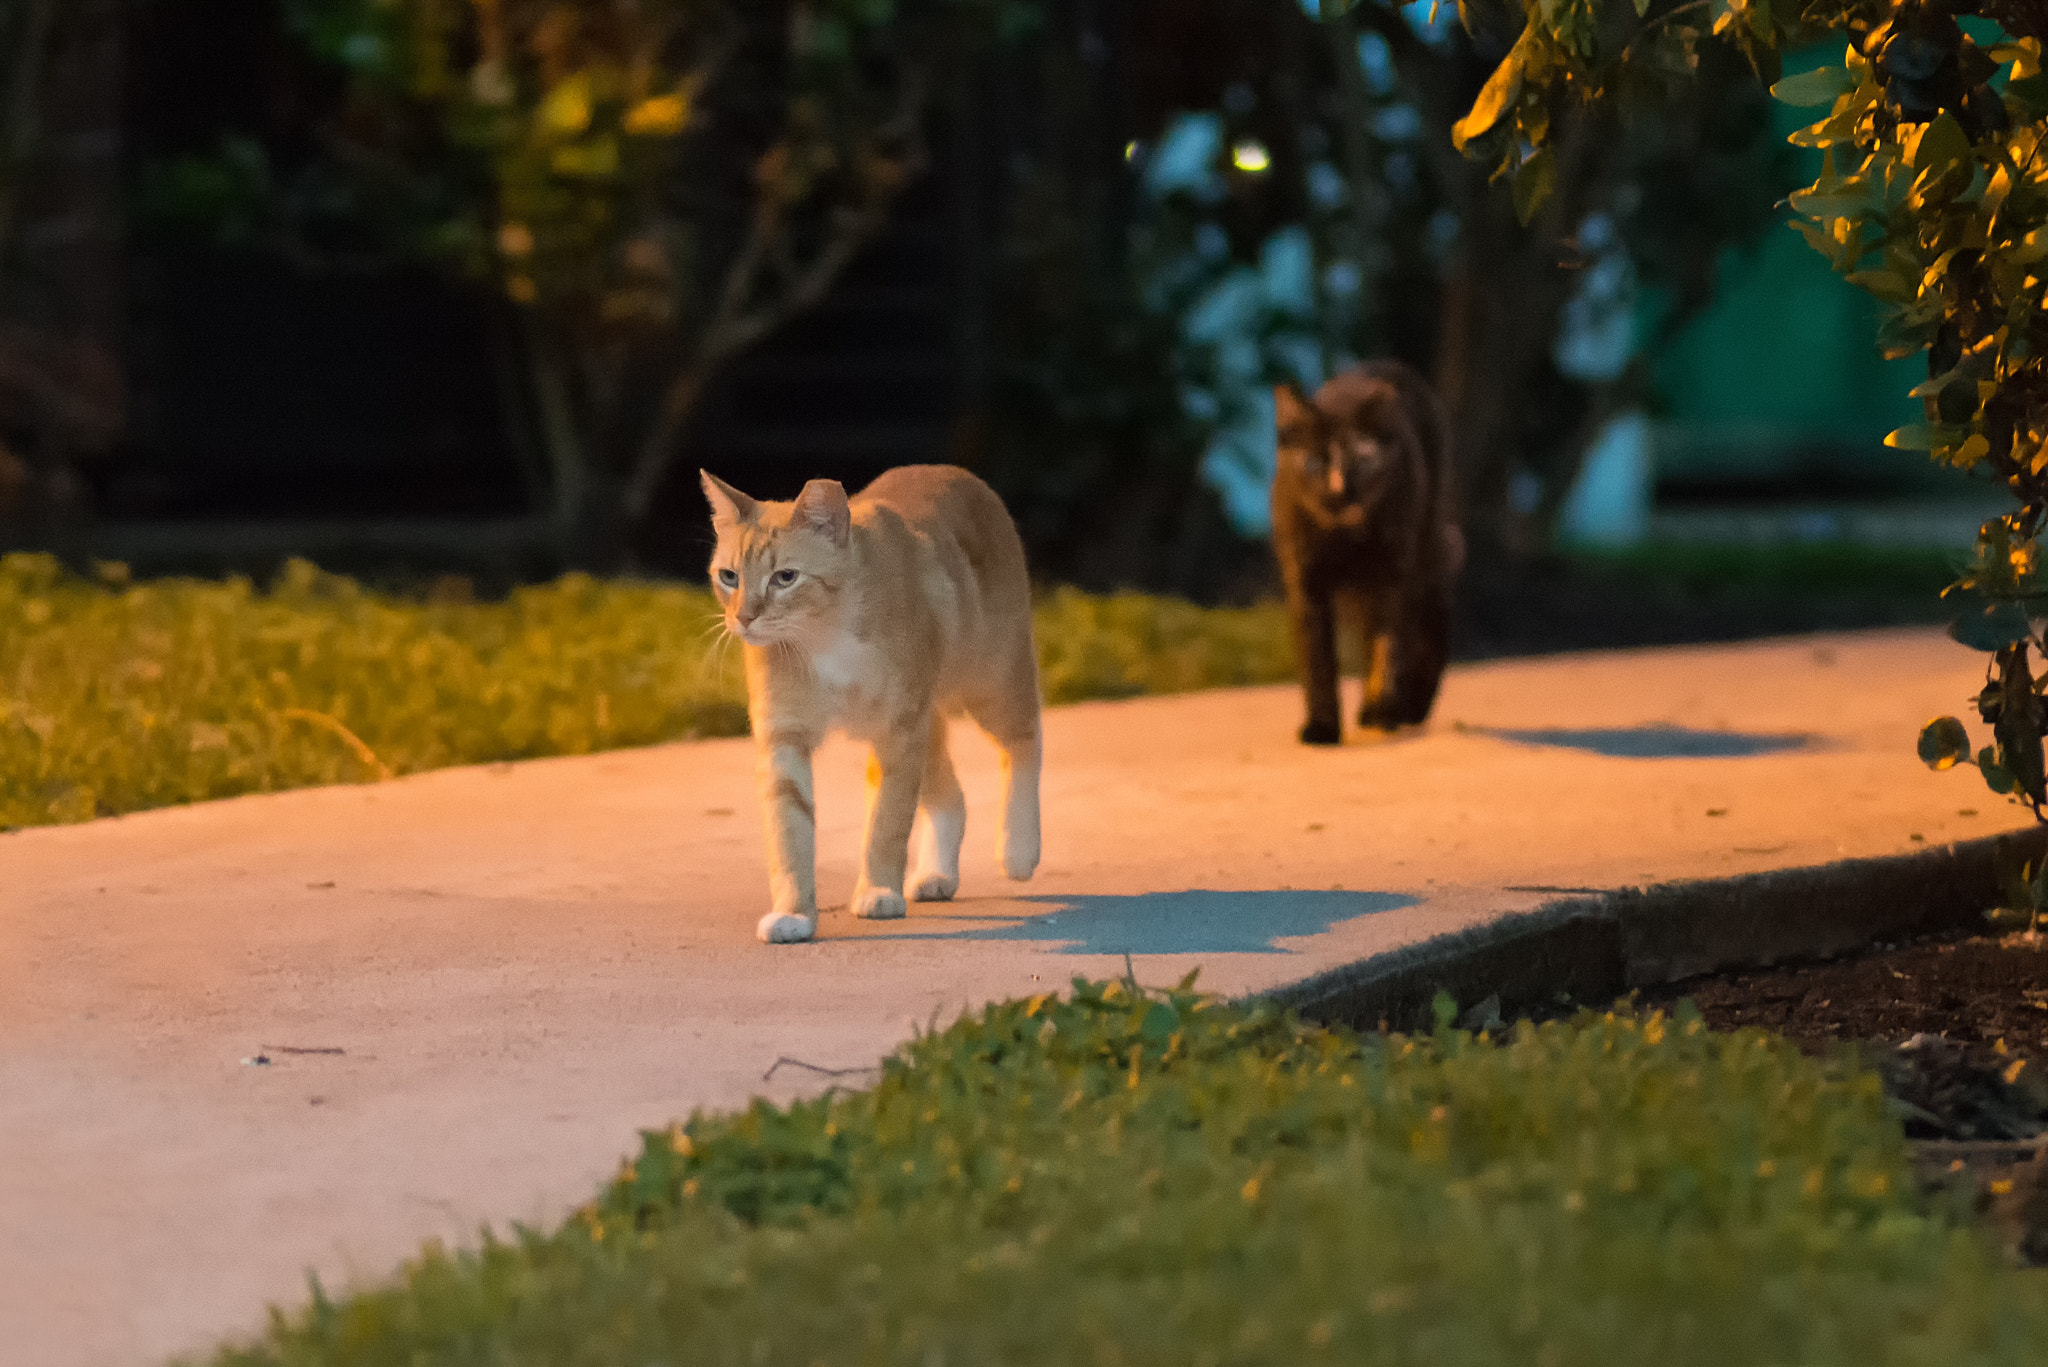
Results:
x,y
1596,948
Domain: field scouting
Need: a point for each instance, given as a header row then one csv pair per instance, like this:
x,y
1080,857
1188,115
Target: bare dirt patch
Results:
x,y
1958,1029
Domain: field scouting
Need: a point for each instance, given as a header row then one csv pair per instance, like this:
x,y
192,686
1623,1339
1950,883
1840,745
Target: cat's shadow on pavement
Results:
x,y
1653,742
1198,921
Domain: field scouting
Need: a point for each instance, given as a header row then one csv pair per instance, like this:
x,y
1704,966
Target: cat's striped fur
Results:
x,y
881,616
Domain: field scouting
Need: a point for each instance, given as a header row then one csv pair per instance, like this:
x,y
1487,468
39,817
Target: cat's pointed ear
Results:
x,y
1290,406
729,507
822,508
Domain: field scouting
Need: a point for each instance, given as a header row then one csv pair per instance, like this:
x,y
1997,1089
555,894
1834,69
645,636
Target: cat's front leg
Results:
x,y
894,771
787,795
1379,706
1315,643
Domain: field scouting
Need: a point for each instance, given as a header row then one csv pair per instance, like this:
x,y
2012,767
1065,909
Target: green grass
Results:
x,y
1127,1178
116,697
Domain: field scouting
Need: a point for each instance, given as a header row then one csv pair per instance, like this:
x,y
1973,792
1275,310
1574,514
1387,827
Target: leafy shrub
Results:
x,y
1152,1177
1125,645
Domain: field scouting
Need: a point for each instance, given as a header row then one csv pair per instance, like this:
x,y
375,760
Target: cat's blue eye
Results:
x,y
784,578
729,578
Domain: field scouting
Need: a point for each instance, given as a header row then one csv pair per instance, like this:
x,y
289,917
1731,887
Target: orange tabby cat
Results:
x,y
881,617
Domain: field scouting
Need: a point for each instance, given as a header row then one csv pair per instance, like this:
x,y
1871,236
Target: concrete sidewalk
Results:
x,y
474,986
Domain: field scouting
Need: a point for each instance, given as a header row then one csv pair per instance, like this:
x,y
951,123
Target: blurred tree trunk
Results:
x,y
603,458
1501,292
1675,191
1503,302
62,388
1079,422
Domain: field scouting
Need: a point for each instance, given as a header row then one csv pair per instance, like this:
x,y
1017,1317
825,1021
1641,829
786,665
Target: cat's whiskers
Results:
x,y
721,636
711,637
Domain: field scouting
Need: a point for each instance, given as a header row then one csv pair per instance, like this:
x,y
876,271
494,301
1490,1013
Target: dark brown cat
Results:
x,y
1364,513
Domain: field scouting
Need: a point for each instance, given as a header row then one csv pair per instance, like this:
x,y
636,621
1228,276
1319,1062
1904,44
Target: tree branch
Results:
x,y
735,327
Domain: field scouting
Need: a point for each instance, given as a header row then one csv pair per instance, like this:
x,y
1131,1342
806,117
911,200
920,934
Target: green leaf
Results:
x,y
1995,776
1975,447
1913,437
2031,94
1822,85
1885,285
1758,12
2003,178
1500,92
2013,874
1903,334
1818,238
1846,200
2020,722
1836,128
1939,147
1535,178
1443,1010
1944,743
1159,1024
1991,627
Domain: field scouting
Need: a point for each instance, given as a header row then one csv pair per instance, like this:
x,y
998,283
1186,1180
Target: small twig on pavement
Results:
x,y
297,1049
814,1068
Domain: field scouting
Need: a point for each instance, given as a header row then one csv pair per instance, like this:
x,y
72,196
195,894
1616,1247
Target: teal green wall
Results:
x,y
1788,345
1785,359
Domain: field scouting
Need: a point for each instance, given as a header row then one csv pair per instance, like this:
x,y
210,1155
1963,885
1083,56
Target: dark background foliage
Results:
x,y
326,390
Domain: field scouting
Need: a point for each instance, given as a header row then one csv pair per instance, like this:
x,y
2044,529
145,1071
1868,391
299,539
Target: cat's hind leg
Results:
x,y
1421,653
935,869
1009,714
1023,757
1424,646
895,771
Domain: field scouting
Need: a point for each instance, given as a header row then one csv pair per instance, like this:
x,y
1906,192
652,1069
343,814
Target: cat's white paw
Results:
x,y
1020,854
933,887
879,904
781,928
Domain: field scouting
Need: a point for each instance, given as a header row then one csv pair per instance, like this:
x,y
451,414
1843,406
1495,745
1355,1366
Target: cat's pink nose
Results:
x,y
745,618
